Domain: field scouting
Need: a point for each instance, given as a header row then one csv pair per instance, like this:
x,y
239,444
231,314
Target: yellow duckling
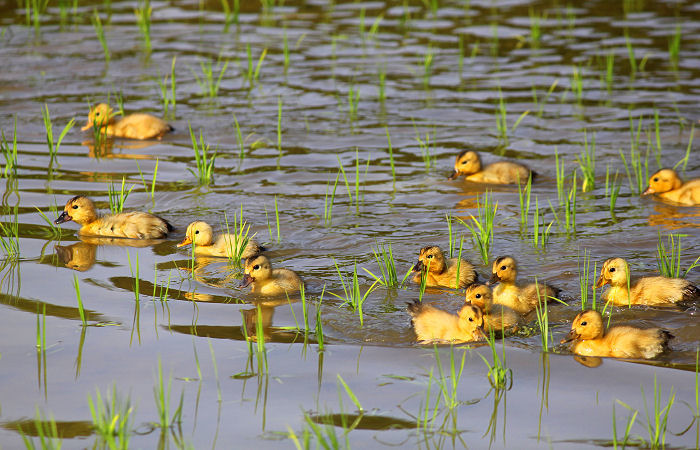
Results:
x,y
521,299
134,225
442,272
133,126
431,323
503,172
666,184
590,338
498,318
268,281
658,291
226,245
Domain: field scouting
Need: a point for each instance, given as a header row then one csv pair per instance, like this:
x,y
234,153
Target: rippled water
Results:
x,y
339,53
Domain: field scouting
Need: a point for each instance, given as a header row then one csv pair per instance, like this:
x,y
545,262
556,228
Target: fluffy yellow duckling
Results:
x,y
134,225
658,291
590,338
268,281
226,245
497,317
441,271
521,299
666,184
133,126
431,323
503,172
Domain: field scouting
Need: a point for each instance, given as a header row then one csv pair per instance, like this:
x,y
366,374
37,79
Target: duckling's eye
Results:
x,y
256,267
583,324
656,179
97,113
430,256
75,206
478,296
196,232
503,267
464,162
612,269
471,319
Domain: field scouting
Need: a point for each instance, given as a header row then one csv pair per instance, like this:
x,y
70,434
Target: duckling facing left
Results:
x,y
441,271
268,281
468,163
591,339
133,126
666,184
521,299
498,318
226,245
134,225
431,323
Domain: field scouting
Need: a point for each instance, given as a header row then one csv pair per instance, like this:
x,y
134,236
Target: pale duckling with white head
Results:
x,y
432,324
657,291
133,225
439,271
521,299
590,338
133,126
226,245
668,186
498,318
264,280
468,163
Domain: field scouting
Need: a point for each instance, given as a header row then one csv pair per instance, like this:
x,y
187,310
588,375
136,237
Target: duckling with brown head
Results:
x,y
439,271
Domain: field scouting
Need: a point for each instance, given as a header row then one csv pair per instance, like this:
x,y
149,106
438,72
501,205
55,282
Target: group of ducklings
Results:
x,y
499,309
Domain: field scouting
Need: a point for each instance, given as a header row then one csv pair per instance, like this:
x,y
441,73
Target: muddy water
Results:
x,y
197,327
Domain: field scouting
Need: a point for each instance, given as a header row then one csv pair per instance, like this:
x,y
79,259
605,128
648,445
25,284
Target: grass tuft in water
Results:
x,y
112,418
586,162
205,162
117,198
481,228
208,85
237,245
167,94
143,19
500,376
9,151
9,236
161,394
384,256
99,30
674,47
53,147
46,431
668,256
352,294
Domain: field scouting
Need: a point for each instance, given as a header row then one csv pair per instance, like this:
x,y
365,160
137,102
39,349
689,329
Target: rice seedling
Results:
x,y
382,84
391,154
612,190
586,279
33,9
357,199
253,72
535,29
209,85
161,394
630,422
384,256
260,350
237,245
427,67
423,282
112,418
543,102
277,220
99,30
55,231
353,102
568,204
425,145
319,322
352,294
638,168
152,191
167,94
46,429
134,276
351,395
674,47
684,161
53,147
609,70
204,162
449,389
81,309
230,14
500,376
143,19
543,320
540,232
668,256
524,193
279,126
657,424
501,123
630,54
9,151
216,370
586,162
328,201
159,292
117,198
481,228
9,236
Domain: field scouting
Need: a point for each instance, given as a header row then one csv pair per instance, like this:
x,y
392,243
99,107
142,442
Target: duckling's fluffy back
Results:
x,y
626,342
141,126
135,225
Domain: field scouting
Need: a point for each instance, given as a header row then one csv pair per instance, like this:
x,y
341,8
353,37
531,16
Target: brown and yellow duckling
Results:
x,y
666,184
431,323
590,338
226,245
657,291
498,318
265,280
441,271
468,163
133,126
521,299
133,225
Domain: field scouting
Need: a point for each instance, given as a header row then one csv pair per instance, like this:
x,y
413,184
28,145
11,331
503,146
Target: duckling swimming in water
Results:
x,y
133,126
498,318
502,172
657,291
666,184
134,225
520,299
226,245
442,272
591,339
268,281
431,323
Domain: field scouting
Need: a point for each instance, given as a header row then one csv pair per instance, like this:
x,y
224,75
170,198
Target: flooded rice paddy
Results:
x,y
286,93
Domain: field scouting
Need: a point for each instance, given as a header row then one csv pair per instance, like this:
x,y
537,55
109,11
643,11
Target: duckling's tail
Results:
x,y
534,174
171,128
665,337
690,293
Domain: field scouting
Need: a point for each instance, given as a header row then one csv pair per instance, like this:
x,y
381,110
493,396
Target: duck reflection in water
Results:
x,y
81,256
673,217
105,148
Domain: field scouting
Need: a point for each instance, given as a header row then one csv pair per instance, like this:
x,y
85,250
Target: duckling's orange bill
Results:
x,y
601,281
186,241
246,281
64,217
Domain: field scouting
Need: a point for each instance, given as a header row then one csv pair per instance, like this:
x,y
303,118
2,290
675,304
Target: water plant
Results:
x,y
353,102
167,94
328,201
384,256
53,147
540,232
253,72
117,198
612,190
481,228
240,238
427,66
628,428
203,160
586,162
524,193
657,421
319,322
449,388
56,231
161,394
152,191
668,256
9,151
81,309
46,429
630,54
586,278
684,161
425,144
279,126
352,294
543,319
112,418
567,202
9,236
535,29
99,30
357,199
500,376
143,19
674,47
209,85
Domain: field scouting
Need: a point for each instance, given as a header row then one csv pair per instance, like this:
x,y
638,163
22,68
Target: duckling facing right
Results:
x,y
268,281
431,323
502,172
226,245
591,339
520,299
666,184
498,318
441,271
133,126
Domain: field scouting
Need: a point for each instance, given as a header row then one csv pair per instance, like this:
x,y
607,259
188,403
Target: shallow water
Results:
x,y
554,399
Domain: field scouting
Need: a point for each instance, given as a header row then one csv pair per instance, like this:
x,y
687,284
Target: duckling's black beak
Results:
x,y
601,282
418,267
453,175
493,280
569,337
245,282
64,217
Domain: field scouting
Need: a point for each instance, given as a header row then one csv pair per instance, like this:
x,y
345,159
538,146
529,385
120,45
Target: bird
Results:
x,y
133,225
666,184
468,163
264,280
498,318
657,291
226,245
521,299
443,272
590,338
133,126
431,323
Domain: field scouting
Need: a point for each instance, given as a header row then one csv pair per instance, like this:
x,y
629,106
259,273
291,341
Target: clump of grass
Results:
x,y
53,147
612,190
112,418
152,189
240,240
481,228
56,231
540,232
524,198
586,278
586,162
9,151
668,256
203,160
674,47
384,256
230,14
352,294
209,85
425,145
535,29
567,202
143,19
449,388
657,424
543,320
328,201
277,222
167,95
117,198
628,428
358,198
638,168
161,394
253,72
9,236
46,429
500,376
99,30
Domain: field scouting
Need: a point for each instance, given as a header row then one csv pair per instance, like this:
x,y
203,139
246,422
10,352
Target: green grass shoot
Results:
x,y
328,201
143,19
161,394
208,85
384,256
81,309
9,151
500,376
203,160
9,236
167,94
524,193
586,162
152,190
586,278
117,198
481,227
352,294
112,418
53,147
239,238
99,30
668,256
